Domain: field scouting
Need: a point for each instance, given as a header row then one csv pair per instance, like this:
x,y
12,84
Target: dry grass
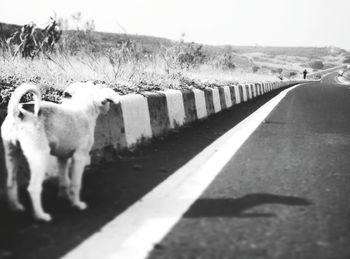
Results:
x,y
58,71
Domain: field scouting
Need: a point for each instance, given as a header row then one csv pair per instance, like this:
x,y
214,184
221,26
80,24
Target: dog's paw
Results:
x,y
44,217
80,205
16,206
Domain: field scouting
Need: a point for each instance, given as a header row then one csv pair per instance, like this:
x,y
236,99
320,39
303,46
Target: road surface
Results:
x,y
284,194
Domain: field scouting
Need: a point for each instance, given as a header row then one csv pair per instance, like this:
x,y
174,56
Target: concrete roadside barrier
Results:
x,y
139,118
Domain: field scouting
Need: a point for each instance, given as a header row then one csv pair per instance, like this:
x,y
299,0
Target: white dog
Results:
x,y
65,131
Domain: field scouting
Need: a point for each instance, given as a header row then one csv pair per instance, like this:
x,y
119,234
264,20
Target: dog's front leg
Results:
x,y
12,161
78,164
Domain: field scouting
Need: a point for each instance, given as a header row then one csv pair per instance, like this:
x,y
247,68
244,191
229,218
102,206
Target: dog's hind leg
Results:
x,y
78,164
63,177
37,154
12,161
38,165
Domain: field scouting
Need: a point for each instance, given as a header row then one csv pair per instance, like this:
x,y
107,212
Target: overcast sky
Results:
x,y
235,22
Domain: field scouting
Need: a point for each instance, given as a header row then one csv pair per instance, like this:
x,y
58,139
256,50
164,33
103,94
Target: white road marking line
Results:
x,y
339,80
134,233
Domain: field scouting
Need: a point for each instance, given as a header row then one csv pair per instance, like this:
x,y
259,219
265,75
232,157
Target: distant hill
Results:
x,y
150,43
7,29
153,44
307,52
104,39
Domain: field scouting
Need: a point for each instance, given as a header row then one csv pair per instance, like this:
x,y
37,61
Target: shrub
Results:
x,y
292,74
277,70
224,61
126,52
316,65
81,39
255,68
183,55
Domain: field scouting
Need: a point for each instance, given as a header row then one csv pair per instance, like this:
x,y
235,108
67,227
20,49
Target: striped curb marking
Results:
x,y
216,99
199,97
140,117
176,108
137,119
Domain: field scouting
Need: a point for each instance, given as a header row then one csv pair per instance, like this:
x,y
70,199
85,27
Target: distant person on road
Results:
x,y
305,73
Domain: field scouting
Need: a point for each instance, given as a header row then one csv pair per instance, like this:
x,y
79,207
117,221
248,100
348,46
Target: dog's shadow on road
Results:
x,y
228,207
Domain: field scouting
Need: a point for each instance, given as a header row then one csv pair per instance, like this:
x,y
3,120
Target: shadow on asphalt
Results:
x,y
109,189
237,207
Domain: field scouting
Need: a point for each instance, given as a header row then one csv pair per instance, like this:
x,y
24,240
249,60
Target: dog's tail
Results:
x,y
14,108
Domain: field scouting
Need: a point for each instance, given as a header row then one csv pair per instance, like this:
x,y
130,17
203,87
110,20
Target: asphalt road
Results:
x,y
283,195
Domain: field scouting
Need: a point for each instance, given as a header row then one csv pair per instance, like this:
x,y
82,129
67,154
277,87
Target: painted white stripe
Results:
x,y
201,107
254,90
258,90
245,96
134,233
176,108
227,96
136,118
238,96
216,100
341,80
247,87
